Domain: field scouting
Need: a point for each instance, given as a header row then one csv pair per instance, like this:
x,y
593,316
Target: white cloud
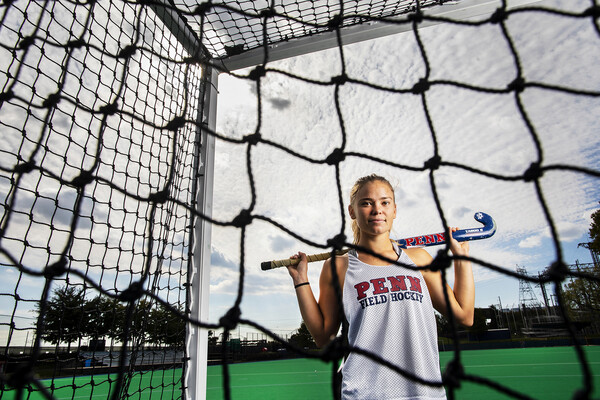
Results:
x,y
482,130
530,242
569,231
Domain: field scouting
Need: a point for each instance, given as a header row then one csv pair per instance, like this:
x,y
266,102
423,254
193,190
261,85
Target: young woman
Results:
x,y
389,308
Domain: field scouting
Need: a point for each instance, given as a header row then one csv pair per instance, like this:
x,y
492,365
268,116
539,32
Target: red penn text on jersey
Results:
x,y
396,283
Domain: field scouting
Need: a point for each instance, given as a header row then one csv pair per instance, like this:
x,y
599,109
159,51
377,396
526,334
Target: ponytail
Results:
x,y
355,231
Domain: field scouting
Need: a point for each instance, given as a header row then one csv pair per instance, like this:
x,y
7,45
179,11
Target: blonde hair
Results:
x,y
354,191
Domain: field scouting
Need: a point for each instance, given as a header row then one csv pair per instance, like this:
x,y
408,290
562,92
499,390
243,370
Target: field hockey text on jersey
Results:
x,y
391,288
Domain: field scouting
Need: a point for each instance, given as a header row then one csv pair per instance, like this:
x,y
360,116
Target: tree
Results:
x,y
302,338
595,232
64,317
582,294
140,319
104,317
166,327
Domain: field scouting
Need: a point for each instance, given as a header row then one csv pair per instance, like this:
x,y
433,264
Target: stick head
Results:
x,y
487,230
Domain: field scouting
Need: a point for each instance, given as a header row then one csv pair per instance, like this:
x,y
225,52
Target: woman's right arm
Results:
x,y
321,318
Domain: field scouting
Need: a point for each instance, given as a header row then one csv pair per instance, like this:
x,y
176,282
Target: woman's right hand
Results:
x,y
299,272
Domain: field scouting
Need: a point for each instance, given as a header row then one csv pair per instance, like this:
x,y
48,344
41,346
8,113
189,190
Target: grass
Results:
x,y
541,373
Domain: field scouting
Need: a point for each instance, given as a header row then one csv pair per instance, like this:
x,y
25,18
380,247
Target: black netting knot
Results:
x,y
441,261
252,139
452,374
518,85
24,168
193,59
334,351
337,242
334,22
267,13
230,320
258,72
421,87
84,178
593,11
110,109
498,16
6,96
57,269
203,8
416,17
52,100
26,42
175,123
433,163
159,197
558,271
132,293
340,79
76,44
533,172
127,51
336,157
244,218
234,50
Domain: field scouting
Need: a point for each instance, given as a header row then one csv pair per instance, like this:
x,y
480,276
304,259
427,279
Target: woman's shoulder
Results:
x,y
341,265
340,261
419,256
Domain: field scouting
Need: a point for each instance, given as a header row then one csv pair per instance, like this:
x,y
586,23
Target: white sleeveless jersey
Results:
x,y
390,314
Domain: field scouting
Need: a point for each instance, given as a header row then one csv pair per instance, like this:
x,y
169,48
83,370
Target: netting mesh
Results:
x,y
230,28
99,168
101,119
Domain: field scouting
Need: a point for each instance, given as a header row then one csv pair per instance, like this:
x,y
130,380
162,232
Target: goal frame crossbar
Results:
x,y
460,11
463,10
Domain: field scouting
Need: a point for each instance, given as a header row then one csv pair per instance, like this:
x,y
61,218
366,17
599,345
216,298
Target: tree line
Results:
x,y
70,317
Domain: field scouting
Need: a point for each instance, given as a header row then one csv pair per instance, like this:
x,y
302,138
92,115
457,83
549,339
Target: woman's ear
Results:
x,y
351,212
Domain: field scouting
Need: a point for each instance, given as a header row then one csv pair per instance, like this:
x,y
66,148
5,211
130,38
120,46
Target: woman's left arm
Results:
x,y
462,297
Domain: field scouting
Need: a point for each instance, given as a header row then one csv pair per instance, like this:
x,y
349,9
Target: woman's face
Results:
x,y
374,208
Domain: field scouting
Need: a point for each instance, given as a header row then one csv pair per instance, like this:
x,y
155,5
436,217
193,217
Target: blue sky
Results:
x,y
481,130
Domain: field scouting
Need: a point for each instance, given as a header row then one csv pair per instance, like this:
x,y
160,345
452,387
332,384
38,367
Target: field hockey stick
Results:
x,y
461,235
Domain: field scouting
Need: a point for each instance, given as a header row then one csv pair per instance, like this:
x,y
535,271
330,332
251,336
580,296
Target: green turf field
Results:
x,y
541,373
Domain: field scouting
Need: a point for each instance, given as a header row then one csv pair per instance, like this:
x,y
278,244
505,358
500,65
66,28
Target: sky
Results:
x,y
484,131
481,130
